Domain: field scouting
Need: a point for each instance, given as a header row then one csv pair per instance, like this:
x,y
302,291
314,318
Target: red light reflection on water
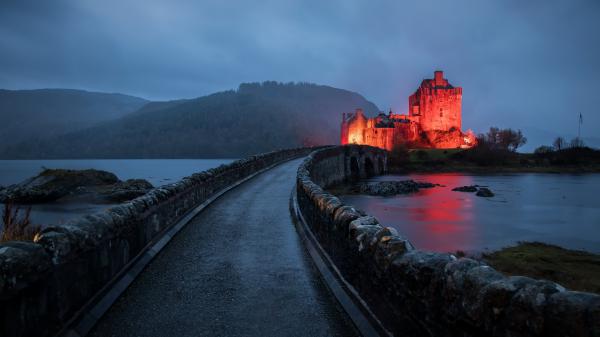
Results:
x,y
444,215
436,219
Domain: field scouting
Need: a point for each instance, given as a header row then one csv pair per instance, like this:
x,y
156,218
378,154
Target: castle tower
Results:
x,y
436,105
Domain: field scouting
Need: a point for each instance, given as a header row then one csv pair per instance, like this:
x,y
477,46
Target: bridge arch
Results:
x,y
380,166
355,171
369,167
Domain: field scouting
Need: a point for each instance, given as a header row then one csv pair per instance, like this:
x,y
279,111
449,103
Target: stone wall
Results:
x,y
418,293
44,283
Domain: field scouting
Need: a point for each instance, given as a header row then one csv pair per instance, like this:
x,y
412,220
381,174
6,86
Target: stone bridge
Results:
x,y
217,254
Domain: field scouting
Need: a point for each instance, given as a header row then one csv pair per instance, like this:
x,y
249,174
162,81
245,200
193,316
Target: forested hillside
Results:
x,y
39,114
254,118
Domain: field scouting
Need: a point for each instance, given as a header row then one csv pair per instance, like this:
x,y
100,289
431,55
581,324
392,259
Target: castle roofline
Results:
x,y
437,82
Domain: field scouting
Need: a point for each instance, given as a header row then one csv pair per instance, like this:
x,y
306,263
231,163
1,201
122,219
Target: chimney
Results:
x,y
439,77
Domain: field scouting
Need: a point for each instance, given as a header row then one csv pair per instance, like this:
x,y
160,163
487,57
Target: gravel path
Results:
x,y
238,269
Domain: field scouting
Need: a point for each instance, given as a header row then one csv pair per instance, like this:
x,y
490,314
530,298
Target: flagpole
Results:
x,y
579,127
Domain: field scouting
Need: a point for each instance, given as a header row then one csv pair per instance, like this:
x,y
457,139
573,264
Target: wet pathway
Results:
x,y
238,269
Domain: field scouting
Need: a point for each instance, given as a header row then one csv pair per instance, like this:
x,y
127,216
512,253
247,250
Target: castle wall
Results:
x,y
362,130
434,109
354,129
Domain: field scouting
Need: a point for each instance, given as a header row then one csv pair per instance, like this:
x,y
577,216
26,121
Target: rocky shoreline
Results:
x,y
93,186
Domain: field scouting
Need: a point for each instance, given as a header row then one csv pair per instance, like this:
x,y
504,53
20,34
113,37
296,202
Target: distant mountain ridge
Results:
x,y
43,113
256,117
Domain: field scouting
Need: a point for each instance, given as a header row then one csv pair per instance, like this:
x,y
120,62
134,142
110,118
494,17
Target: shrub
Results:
x,y
16,227
422,155
399,155
485,154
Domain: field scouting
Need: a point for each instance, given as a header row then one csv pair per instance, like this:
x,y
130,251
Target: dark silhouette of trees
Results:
x,y
503,139
559,143
577,143
543,150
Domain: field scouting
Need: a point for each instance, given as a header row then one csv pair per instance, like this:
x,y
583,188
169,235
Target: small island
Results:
x,y
53,186
92,186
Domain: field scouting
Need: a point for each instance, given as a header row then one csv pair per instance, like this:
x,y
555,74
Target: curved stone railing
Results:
x,y
418,293
44,283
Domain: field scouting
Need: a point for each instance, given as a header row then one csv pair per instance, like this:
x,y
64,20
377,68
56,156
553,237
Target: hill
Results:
x,y
39,114
254,118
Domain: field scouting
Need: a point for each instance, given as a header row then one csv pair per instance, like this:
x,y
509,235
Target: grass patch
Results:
x,y
576,270
425,155
483,162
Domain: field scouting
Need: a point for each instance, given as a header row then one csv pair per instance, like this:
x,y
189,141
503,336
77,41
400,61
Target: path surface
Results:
x,y
238,269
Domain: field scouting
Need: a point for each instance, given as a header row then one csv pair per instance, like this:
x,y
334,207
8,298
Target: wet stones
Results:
x,y
484,192
388,188
480,190
21,265
468,188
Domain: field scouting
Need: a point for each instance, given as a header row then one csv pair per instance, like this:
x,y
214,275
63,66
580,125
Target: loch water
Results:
x,y
157,171
561,209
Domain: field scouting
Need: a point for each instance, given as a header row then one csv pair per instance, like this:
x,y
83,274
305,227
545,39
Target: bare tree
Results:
x,y
559,143
577,142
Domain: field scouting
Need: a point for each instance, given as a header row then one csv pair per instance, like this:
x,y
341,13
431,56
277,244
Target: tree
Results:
x,y
511,139
492,138
577,142
543,150
559,143
503,139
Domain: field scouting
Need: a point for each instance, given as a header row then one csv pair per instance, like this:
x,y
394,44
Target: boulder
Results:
x,y
484,192
468,188
387,188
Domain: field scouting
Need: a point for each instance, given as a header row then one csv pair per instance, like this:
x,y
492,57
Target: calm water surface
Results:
x,y
156,171
558,209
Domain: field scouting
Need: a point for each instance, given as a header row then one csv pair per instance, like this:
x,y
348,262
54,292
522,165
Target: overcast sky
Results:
x,y
520,63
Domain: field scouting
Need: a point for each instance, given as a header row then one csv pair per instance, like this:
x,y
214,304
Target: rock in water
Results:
x,y
387,188
469,188
484,192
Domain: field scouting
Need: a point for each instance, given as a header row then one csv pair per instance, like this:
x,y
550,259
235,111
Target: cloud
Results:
x,y
520,63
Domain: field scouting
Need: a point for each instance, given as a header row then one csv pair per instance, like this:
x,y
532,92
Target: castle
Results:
x,y
433,121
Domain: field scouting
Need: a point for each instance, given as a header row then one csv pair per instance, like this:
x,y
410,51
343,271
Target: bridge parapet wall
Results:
x,y
419,293
44,283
